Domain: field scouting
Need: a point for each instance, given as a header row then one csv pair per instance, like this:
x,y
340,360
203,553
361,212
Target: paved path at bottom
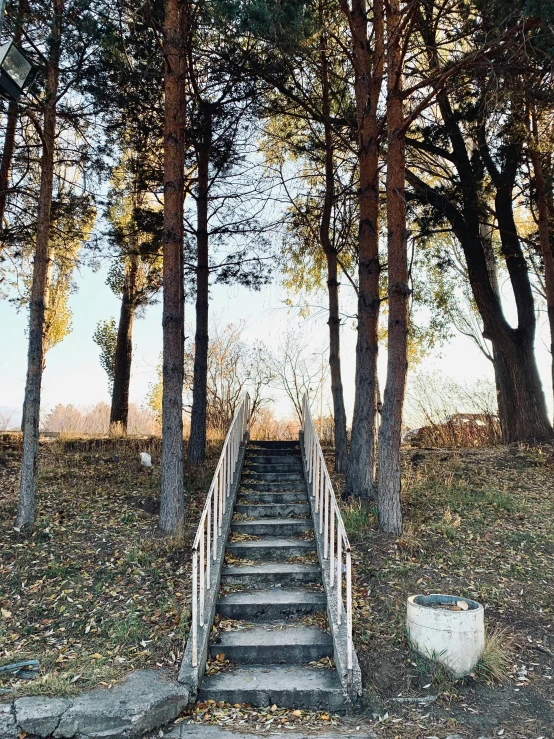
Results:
x,y
198,731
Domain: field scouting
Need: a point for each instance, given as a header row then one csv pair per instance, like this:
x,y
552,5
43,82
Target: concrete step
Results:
x,y
273,526
271,549
268,487
272,510
295,687
270,604
269,575
265,468
264,458
271,476
255,496
273,453
293,645
273,445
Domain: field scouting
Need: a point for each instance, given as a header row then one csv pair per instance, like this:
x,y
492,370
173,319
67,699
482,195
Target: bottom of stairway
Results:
x,y
257,685
271,627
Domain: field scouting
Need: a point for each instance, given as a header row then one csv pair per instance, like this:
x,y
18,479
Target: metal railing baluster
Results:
x,y
331,526
209,532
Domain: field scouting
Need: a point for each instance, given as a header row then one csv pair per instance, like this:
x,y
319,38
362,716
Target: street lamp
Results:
x,y
16,71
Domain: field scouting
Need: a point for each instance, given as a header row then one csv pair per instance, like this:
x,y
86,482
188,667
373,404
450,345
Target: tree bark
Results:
x,y
522,407
368,74
26,511
521,403
544,235
197,443
172,503
390,432
7,157
341,449
339,412
124,351
9,138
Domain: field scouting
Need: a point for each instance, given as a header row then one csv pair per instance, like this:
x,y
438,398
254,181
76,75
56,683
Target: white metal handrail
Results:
x,y
331,526
209,532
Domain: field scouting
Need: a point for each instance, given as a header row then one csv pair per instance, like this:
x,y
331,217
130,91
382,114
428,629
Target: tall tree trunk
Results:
x,y
172,503
390,432
544,235
124,350
9,138
368,73
522,406
339,412
31,407
521,403
7,157
197,443
341,449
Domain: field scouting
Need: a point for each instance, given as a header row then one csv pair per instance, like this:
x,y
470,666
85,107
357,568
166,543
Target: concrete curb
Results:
x,y
353,690
143,702
190,676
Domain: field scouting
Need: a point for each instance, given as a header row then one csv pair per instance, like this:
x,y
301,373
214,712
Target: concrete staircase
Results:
x,y
271,593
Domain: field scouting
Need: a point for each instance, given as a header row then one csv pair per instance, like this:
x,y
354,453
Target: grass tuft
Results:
x,y
358,518
494,665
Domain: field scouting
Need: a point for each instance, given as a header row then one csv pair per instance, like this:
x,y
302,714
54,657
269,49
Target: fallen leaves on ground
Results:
x,y
93,591
245,718
478,524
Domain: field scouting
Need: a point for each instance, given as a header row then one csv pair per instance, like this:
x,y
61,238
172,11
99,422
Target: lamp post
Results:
x,y
17,72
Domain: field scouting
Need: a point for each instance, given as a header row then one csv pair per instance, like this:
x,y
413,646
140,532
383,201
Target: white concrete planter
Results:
x,y
456,639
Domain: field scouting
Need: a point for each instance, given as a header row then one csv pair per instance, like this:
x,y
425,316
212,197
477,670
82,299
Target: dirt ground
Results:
x,y
478,523
93,592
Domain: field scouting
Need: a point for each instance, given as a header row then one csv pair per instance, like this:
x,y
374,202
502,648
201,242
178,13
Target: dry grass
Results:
x,y
496,661
93,591
477,523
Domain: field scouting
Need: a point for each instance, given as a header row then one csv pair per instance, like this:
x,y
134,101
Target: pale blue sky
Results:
x,y
73,373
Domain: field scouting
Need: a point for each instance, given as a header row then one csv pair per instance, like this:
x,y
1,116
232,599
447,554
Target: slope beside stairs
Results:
x,y
272,600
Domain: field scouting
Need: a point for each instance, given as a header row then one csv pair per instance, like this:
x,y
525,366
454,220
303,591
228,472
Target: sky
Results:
x,y
73,373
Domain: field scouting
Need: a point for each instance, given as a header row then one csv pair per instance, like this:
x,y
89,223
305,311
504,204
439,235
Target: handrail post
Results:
x,y
349,610
209,532
339,575
194,614
335,540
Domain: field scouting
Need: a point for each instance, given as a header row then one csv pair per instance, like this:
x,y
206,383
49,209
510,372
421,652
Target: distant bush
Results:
x,y
95,420
451,413
461,430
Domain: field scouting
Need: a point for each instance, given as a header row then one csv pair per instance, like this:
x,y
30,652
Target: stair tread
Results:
x,y
269,568
267,506
272,497
269,521
274,679
275,542
274,596
281,636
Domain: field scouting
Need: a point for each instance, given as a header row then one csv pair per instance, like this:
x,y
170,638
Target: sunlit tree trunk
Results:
x,y
119,412
390,432
26,511
544,234
339,412
197,443
368,72
172,504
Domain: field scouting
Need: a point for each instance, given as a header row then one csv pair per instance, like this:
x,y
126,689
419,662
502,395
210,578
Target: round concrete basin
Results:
x,y
441,630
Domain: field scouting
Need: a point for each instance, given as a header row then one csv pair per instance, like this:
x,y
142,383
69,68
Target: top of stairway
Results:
x,y
274,444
